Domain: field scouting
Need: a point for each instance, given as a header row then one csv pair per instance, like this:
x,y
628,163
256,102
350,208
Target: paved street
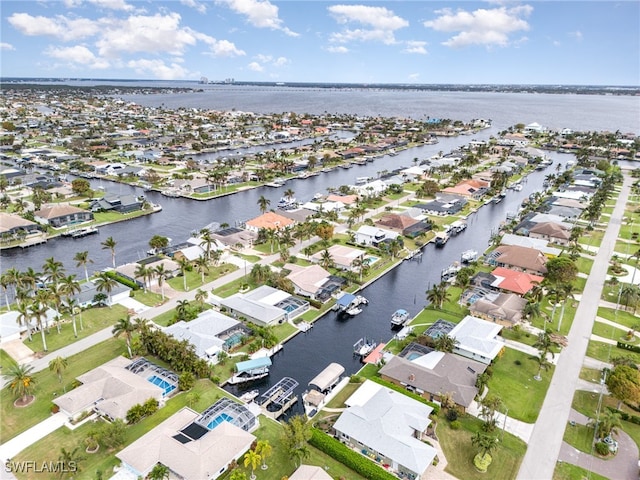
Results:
x,y
546,440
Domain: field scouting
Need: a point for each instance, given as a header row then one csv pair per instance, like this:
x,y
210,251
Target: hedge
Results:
x,y
348,457
404,391
626,346
123,280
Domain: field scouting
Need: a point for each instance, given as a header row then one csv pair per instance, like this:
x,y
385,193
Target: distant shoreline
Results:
x,y
107,85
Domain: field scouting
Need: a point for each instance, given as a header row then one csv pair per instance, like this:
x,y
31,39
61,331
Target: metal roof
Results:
x,y
327,377
253,364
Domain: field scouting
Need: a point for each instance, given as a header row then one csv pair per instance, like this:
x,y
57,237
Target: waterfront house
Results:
x,y
524,259
552,232
513,281
109,390
210,333
12,326
190,450
341,255
522,241
477,339
374,236
12,225
389,428
265,306
62,215
88,291
118,203
270,221
435,373
346,200
235,237
471,188
308,281
505,309
403,224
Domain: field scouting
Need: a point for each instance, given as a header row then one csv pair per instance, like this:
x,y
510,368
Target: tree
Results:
x,y
202,266
143,272
38,310
624,384
609,423
21,381
485,444
162,273
70,460
110,244
58,365
445,343
80,186
264,449
561,270
326,260
263,204
158,242
296,434
543,363
252,459
438,294
158,472
126,327
104,283
184,265
238,474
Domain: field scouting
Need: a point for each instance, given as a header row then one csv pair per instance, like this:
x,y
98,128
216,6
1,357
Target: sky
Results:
x,y
397,41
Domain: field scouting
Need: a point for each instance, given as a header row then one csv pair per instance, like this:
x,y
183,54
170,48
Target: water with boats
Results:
x,y
333,337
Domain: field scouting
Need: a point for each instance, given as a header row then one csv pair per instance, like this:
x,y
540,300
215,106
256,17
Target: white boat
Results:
x,y
469,256
287,202
246,377
363,347
518,187
441,239
360,300
353,311
275,184
457,227
399,317
249,396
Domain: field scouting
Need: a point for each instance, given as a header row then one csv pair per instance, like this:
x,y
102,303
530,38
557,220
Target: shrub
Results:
x,y
55,408
455,425
517,362
452,414
348,457
186,381
602,449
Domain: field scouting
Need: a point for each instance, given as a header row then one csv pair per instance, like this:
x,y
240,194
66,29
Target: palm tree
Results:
x,y
24,317
609,423
126,327
162,274
72,307
58,365
158,472
484,443
264,449
326,260
289,193
21,381
202,265
69,459
104,283
201,296
82,260
543,363
110,244
143,272
252,458
207,241
53,270
182,307
184,265
446,343
438,294
565,291
263,203
38,310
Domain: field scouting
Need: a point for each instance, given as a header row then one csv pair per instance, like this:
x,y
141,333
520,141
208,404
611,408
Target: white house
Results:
x,y
477,339
368,235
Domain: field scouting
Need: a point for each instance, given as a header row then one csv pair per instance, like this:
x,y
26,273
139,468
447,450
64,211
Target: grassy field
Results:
x,y
607,331
514,384
584,264
622,317
603,351
457,447
6,362
579,437
93,320
566,471
591,375
16,420
194,279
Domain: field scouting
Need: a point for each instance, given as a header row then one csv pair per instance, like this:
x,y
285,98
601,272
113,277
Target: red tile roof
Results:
x,y
517,282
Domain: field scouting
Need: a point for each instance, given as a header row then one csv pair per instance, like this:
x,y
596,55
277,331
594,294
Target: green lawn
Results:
x,y
607,331
622,317
93,320
16,420
566,471
150,299
6,362
580,437
194,279
591,375
584,264
514,384
459,452
592,238
604,352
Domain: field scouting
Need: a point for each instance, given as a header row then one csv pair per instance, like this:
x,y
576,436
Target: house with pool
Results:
x,y
110,390
265,306
191,445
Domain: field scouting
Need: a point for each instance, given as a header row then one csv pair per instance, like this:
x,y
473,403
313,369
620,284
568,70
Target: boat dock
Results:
x,y
280,396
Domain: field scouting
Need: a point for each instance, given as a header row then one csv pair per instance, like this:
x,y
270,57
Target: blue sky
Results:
x,y
573,42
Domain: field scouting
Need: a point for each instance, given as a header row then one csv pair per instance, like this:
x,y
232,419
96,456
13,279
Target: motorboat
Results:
x,y
441,239
363,347
469,256
287,202
399,317
353,311
249,396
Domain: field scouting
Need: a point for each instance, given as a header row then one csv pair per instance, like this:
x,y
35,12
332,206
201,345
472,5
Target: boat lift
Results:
x,y
281,396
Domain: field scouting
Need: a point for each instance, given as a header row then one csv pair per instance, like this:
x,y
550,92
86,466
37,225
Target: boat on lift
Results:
x,y
399,317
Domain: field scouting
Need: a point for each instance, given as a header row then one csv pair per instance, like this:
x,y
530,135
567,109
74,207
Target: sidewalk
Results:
x,y
35,433
518,428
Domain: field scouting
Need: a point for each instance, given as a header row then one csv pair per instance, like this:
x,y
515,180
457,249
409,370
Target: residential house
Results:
x,y
444,204
62,215
265,306
477,339
12,326
505,309
307,281
374,236
188,449
310,472
525,259
341,255
110,390
435,373
235,237
118,203
88,291
552,232
522,241
270,221
389,428
210,333
403,224
471,188
12,225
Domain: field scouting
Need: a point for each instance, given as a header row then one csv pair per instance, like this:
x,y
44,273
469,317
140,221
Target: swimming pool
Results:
x,y
223,417
290,308
370,260
163,384
234,339
413,356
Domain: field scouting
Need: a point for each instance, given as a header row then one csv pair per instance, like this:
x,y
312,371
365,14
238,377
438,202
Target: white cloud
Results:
x,y
415,46
281,61
338,49
482,26
577,35
263,58
414,76
379,24
61,27
141,33
158,69
6,46
199,7
259,13
256,67
113,4
78,55
224,48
